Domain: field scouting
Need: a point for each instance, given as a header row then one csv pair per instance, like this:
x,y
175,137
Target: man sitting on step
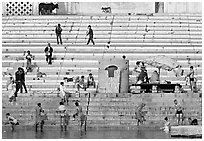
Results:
x,y
91,81
80,83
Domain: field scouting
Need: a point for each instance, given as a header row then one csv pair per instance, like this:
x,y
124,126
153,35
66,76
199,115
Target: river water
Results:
x,y
89,134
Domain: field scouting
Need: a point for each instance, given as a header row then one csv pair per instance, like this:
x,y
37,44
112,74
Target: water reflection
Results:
x,y
81,134
39,135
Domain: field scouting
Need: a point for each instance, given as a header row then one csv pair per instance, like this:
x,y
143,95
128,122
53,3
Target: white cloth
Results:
x,y
12,119
11,90
62,110
166,126
62,91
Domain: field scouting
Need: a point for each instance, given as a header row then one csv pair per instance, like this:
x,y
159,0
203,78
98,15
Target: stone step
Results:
x,y
117,22
74,58
98,41
165,16
105,29
187,131
60,57
54,79
12,52
104,23
70,35
99,34
103,44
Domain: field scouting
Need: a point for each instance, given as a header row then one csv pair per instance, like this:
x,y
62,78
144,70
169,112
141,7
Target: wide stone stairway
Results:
x,y
108,110
178,36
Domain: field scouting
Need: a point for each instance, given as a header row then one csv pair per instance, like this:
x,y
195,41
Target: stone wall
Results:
x,y
183,7
95,7
117,7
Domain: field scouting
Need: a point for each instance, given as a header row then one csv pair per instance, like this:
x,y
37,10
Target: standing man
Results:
x,y
38,118
29,58
18,80
179,112
192,79
58,31
140,114
79,115
64,117
23,81
90,34
48,53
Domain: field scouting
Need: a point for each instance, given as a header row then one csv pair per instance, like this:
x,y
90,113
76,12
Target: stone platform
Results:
x,y
186,131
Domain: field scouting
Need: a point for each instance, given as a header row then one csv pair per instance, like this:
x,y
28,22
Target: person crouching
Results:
x,y
12,121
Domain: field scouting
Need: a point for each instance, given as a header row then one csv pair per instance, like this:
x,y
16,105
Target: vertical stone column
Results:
x,y
3,8
66,7
62,8
73,7
161,7
35,8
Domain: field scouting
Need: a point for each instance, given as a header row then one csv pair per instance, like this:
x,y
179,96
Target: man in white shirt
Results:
x,y
64,94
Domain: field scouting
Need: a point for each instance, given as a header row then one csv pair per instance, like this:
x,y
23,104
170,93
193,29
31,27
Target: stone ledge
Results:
x,y
186,131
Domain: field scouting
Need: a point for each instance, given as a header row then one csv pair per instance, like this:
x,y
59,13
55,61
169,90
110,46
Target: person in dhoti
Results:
x,y
79,114
140,114
64,117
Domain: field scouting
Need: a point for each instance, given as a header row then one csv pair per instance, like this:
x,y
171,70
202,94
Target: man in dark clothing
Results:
x,y
143,77
58,31
20,78
23,81
90,33
91,81
48,53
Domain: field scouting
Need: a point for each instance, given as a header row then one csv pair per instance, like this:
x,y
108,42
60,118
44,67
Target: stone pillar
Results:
x,y
113,75
62,8
68,7
161,7
35,8
3,8
72,7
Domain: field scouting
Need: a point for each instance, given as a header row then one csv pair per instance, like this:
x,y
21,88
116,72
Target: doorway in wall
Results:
x,y
159,7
